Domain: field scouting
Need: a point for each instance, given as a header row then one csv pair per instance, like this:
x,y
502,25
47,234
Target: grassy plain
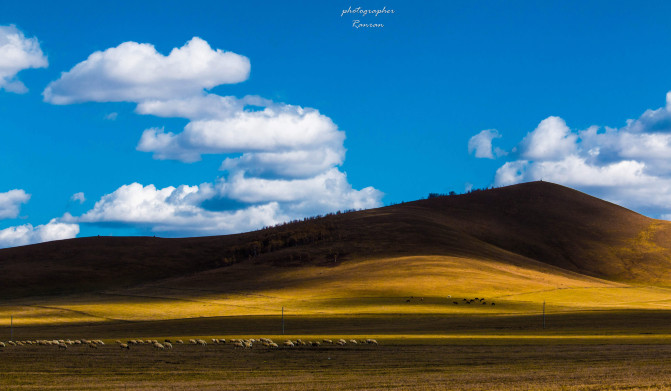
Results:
x,y
476,365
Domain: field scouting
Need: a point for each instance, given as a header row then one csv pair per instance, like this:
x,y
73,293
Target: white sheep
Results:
x,y
288,343
192,341
353,341
179,341
327,341
167,345
371,341
62,346
158,346
273,345
124,346
341,342
201,342
2,344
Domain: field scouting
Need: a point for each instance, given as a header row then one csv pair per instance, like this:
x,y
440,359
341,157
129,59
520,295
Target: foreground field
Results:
x,y
613,364
589,350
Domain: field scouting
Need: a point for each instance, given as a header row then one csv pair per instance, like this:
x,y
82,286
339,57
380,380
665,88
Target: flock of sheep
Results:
x,y
62,344
167,344
477,300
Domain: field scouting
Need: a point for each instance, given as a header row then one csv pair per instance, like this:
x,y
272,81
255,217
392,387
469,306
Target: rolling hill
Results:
x,y
517,245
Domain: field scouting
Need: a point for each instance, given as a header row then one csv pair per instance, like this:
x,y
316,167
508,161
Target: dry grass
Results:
x,y
420,367
404,285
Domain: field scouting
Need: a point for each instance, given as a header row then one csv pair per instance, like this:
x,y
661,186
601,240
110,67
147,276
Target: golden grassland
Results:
x,y
406,285
599,334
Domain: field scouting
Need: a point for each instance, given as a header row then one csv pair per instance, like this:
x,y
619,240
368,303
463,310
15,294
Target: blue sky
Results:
x,y
313,115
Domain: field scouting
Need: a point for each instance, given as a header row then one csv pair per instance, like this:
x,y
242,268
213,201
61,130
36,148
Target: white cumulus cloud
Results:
x,y
17,53
135,72
10,203
179,210
630,165
27,234
176,210
281,161
552,139
290,136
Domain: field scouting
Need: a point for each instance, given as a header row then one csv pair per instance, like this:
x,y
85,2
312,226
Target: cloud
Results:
x,y
17,53
79,197
27,234
630,165
280,160
180,210
176,210
481,144
552,139
327,191
10,203
112,116
301,140
134,72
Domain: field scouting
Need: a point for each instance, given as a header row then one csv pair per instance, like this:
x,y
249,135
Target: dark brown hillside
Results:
x,y
519,224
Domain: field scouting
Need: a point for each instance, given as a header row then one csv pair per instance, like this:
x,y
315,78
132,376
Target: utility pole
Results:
x,y
282,320
543,314
11,327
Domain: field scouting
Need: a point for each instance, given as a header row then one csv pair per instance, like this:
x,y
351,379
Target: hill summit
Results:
x,y
532,225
